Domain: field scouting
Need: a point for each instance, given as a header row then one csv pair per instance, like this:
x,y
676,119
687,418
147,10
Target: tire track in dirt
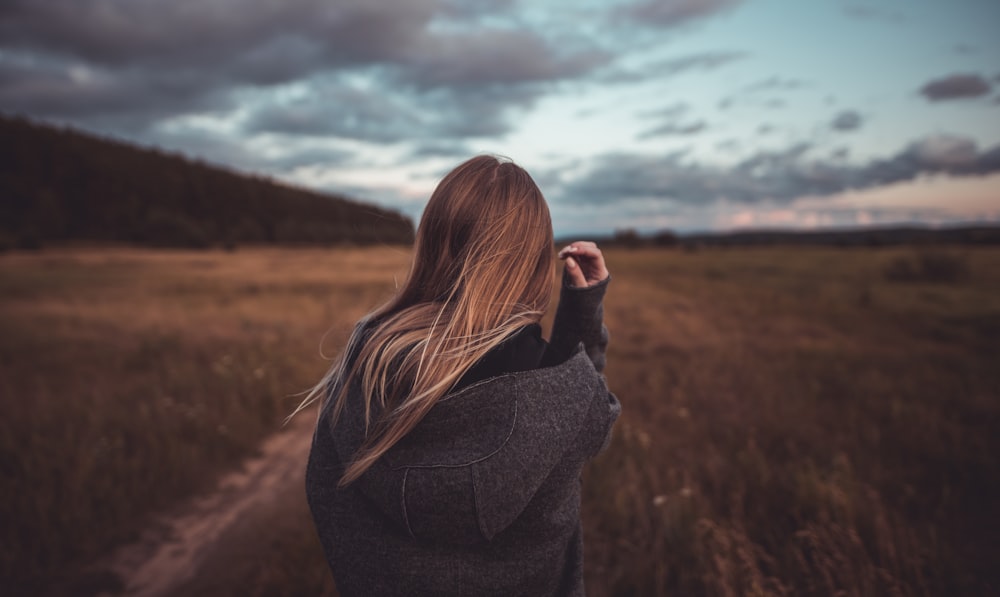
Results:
x,y
174,550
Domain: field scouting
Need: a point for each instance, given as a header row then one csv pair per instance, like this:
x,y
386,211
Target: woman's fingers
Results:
x,y
588,266
576,276
577,246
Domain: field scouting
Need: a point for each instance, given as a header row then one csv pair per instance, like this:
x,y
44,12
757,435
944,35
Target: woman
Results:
x,y
448,451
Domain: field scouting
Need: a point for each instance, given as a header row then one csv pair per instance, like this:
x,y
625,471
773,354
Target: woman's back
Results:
x,y
482,497
448,460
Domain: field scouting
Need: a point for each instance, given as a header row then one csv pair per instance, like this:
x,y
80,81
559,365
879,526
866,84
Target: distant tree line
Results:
x,y
630,238
853,237
62,186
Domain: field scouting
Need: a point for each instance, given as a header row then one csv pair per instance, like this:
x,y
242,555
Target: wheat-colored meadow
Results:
x,y
796,421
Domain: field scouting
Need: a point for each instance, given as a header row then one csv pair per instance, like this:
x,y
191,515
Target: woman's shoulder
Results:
x,y
477,421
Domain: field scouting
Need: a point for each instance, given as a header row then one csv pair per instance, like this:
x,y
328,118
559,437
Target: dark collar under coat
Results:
x,y
522,351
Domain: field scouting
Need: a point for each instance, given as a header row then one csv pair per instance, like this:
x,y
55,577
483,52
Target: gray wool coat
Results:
x,y
483,496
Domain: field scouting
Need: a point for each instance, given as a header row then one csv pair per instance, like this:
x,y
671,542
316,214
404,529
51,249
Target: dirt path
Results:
x,y
175,551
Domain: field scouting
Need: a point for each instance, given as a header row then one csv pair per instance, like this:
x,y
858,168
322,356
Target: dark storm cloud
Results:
x,y
464,9
441,149
274,36
53,90
634,177
848,120
667,13
775,83
774,175
233,153
673,129
372,114
493,56
672,111
702,61
155,59
315,156
139,61
957,86
476,112
458,85
669,123
338,110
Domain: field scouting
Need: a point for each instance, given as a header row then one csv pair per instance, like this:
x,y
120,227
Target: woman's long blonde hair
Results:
x,y
482,269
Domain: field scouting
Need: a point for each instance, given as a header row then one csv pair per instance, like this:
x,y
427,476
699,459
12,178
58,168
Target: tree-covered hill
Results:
x,y
62,186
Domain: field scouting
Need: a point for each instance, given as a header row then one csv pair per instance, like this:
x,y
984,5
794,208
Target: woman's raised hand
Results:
x,y
584,263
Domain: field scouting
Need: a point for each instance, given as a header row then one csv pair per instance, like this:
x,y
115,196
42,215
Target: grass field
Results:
x,y
796,421
131,378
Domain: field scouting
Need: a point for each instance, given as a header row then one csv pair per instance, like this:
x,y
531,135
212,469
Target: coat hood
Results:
x,y
473,464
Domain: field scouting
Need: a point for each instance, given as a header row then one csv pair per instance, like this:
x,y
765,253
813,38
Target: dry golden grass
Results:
x,y
796,421
130,378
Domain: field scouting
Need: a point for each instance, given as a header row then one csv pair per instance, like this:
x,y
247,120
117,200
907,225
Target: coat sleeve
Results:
x,y
579,318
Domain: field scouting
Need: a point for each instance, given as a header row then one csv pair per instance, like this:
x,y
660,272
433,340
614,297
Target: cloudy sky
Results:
x,y
682,114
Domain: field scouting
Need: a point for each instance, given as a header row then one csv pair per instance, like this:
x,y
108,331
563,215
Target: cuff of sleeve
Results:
x,y
600,287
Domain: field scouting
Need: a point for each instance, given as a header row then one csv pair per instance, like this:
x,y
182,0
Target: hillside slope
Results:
x,y
60,185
